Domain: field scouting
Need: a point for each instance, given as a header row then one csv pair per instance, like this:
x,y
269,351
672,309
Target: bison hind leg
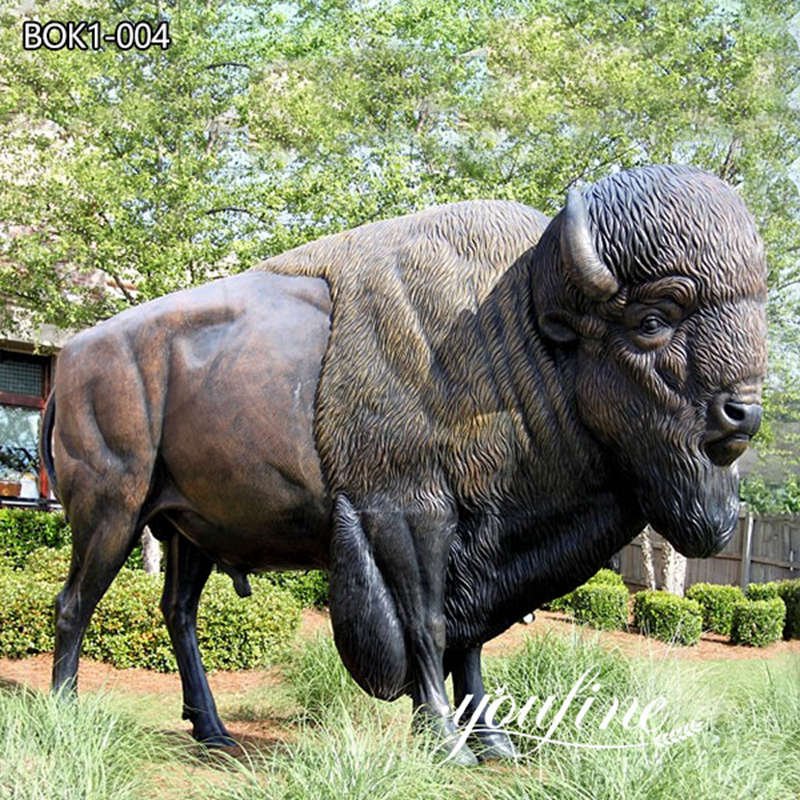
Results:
x,y
366,627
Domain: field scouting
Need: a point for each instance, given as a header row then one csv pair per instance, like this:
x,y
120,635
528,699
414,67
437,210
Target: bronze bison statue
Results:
x,y
459,413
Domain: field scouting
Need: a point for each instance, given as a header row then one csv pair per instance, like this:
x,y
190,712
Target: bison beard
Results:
x,y
689,501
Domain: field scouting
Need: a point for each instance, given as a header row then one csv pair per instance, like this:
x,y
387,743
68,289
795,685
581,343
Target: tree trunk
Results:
x,y
151,553
647,558
674,570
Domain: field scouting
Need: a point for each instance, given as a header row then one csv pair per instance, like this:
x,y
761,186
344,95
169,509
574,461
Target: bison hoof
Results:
x,y
218,739
446,738
493,745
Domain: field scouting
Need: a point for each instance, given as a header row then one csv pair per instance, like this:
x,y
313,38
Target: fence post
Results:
x,y
747,551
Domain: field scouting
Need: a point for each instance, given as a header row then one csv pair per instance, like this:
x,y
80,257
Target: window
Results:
x,y
24,383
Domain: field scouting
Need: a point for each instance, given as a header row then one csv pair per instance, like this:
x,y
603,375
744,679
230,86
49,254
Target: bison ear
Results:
x,y
558,326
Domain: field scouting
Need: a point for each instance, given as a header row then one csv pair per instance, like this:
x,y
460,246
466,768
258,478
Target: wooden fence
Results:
x,y
764,548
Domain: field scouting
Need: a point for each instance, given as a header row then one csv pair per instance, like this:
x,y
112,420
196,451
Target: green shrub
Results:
x,y
789,592
26,614
758,622
717,602
565,603
668,617
606,577
49,564
601,605
762,591
127,629
244,634
561,604
22,531
308,588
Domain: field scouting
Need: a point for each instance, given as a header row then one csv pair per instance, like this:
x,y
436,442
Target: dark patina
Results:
x,y
461,417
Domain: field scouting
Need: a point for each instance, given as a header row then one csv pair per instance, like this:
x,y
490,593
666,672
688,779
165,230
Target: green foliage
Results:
x,y
601,605
49,564
267,125
561,604
318,680
26,614
244,634
717,602
308,588
758,622
565,604
789,592
63,751
127,629
23,531
764,498
122,163
668,617
607,577
762,591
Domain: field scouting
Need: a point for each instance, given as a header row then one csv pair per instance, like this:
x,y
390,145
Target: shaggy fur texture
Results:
x,y
394,369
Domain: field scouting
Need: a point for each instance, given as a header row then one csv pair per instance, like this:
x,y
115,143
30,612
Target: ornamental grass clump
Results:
x,y
758,623
717,602
668,617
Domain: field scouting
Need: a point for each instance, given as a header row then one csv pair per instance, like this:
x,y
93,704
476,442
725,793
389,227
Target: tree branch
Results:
x,y
217,64
236,210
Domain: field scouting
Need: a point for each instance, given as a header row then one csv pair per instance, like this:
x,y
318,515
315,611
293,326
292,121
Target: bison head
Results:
x,y
655,281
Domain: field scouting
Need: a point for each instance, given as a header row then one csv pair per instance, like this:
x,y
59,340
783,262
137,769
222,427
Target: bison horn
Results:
x,y
583,265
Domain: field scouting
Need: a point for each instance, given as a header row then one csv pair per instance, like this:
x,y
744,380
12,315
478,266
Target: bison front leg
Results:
x,y
186,574
489,741
388,569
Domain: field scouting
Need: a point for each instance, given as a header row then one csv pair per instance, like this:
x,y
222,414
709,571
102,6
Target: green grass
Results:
x,y
341,745
53,749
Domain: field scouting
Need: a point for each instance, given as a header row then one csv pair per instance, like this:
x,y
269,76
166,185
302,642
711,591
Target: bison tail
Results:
x,y
366,628
46,441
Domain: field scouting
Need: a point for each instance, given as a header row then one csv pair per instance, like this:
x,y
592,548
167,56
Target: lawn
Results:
x,y
724,728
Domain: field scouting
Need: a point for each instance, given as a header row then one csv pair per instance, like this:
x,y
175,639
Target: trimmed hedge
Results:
x,y
40,540
762,591
607,577
22,531
49,564
789,592
717,602
601,605
308,588
668,617
127,629
565,603
758,622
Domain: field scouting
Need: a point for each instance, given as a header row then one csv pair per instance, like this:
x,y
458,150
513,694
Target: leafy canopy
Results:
x,y
267,124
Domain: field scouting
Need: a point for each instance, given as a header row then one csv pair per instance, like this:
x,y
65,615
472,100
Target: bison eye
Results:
x,y
651,325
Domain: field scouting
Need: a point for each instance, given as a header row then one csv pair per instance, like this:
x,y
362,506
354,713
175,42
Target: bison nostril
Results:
x,y
731,424
735,411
